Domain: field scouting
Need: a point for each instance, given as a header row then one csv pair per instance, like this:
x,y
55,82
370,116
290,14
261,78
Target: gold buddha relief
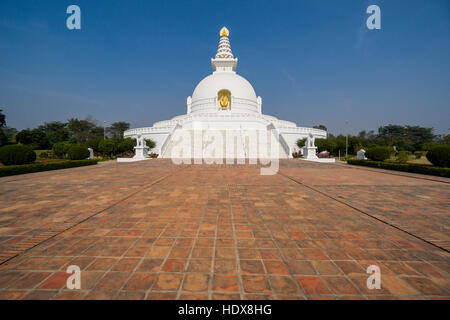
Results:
x,y
224,99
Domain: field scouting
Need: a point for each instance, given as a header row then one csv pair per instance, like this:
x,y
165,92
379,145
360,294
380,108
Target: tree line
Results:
x,y
407,138
74,131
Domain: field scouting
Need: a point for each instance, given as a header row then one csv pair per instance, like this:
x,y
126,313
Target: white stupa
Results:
x,y
224,105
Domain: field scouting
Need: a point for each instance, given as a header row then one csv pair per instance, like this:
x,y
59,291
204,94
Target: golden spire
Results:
x,y
224,32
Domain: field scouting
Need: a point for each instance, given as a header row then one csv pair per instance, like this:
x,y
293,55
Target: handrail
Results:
x,y
169,137
279,138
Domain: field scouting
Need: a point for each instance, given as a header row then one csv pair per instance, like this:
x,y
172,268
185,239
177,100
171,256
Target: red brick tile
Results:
x,y
140,282
283,284
40,295
112,281
179,253
226,296
301,267
102,264
167,282
275,267
313,285
174,265
225,253
196,282
55,281
251,267
315,254
350,267
225,283
12,294
100,295
340,285
255,284
70,295
150,265
155,295
426,286
270,254
326,267
158,252
225,266
125,264
202,252
29,281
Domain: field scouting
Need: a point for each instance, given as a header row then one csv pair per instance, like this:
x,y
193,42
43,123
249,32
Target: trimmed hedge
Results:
x,y
16,154
60,149
379,153
439,156
77,152
406,167
403,156
44,166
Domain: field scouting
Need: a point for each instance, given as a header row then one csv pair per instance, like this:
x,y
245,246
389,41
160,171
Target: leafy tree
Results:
x,y
40,139
9,133
24,136
2,119
404,137
3,137
321,127
117,129
81,130
93,143
55,131
418,136
97,132
446,139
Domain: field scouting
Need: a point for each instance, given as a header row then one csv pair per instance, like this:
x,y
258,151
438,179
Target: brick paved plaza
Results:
x,y
153,230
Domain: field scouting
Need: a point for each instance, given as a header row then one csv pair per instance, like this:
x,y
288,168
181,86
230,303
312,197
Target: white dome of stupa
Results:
x,y
238,86
240,92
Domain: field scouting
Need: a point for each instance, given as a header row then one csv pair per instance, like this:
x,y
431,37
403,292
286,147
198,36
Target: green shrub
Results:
x,y
439,156
126,145
301,142
106,147
406,167
43,155
77,152
93,143
16,154
379,153
403,156
60,149
149,143
43,166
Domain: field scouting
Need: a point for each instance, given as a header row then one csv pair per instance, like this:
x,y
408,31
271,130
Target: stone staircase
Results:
x,y
236,144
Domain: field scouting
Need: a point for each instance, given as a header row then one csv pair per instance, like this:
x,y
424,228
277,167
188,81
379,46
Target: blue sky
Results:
x,y
313,62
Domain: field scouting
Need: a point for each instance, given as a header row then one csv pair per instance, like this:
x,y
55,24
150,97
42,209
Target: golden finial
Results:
x,y
224,32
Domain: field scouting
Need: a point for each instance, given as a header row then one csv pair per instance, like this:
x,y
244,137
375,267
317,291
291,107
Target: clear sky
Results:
x,y
312,61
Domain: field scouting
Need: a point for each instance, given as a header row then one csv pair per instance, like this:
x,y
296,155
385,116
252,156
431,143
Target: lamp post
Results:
x,y
346,139
104,130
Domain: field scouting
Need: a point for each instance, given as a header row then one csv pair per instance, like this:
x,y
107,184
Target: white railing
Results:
x,y
132,132
168,138
315,132
279,138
